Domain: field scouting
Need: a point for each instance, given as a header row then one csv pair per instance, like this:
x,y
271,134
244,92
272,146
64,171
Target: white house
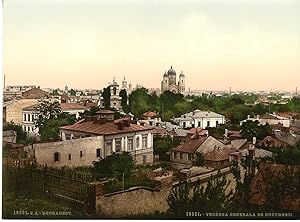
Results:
x,y
118,135
271,119
199,118
30,115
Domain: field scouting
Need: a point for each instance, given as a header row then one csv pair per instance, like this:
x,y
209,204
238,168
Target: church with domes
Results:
x,y
169,82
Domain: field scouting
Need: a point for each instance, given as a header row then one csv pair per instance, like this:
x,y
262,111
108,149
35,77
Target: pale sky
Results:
x,y
245,44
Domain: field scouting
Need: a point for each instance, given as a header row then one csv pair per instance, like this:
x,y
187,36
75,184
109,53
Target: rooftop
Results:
x,y
108,128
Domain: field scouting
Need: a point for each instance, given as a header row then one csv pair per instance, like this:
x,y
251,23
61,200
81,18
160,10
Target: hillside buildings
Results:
x,y
169,82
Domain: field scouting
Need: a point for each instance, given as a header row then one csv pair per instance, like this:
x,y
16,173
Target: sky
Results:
x,y
245,44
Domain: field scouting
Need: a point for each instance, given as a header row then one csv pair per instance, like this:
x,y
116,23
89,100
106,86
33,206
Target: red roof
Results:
x,y
105,111
150,114
71,106
190,146
270,141
108,128
216,155
160,131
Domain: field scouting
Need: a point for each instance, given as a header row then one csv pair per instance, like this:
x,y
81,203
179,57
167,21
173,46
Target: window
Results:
x,y
56,156
217,122
144,141
28,117
108,147
144,159
175,155
70,156
118,145
137,142
190,156
181,156
81,153
184,124
199,124
208,123
32,117
24,117
130,144
98,153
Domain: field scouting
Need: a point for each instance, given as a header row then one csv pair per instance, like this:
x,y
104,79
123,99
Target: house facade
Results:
x,y
118,135
201,119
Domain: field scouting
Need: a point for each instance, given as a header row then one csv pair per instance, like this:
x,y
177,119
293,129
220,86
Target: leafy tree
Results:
x,y
289,155
72,92
106,97
123,95
163,145
252,129
214,197
199,159
46,110
50,129
139,101
90,112
114,166
21,134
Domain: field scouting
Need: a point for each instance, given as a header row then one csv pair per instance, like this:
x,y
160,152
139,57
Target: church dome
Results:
x,y
171,71
181,74
165,74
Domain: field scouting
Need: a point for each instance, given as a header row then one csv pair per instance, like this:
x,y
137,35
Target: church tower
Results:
x,y
165,82
181,83
124,84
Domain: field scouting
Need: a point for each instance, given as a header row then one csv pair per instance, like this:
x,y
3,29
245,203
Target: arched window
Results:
x,y
115,90
138,142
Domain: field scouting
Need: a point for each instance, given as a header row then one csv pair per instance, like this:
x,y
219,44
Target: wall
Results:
x,y
132,202
44,152
14,110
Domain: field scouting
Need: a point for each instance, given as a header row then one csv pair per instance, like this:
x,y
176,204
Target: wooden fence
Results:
x,y
72,188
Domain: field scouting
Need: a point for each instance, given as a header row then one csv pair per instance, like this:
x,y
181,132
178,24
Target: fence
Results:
x,y
69,187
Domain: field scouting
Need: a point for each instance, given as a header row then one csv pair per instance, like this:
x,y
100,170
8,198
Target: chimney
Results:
x,y
248,117
254,141
257,117
251,150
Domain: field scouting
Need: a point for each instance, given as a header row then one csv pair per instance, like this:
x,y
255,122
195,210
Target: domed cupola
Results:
x,y
165,74
171,72
181,74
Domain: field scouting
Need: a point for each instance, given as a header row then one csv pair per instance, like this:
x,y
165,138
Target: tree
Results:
x,y
139,101
114,166
50,129
123,95
163,145
46,110
214,197
50,119
106,97
199,159
21,134
90,112
252,129
72,92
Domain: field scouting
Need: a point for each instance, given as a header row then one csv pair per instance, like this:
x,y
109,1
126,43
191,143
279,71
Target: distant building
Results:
x,y
270,118
201,119
169,82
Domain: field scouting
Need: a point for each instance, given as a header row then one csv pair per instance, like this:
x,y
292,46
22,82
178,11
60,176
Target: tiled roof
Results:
x,y
71,106
160,131
259,153
287,114
233,133
270,141
179,132
150,114
237,144
190,146
103,128
35,93
105,111
216,155
200,131
30,108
